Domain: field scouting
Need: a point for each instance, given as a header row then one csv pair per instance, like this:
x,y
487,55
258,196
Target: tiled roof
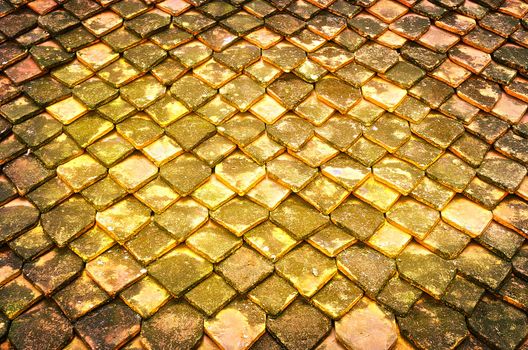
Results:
x,y
319,174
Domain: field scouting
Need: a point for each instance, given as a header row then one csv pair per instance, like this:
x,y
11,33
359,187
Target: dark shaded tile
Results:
x,y
27,172
431,323
41,326
46,90
18,22
431,91
149,23
471,261
179,280
290,90
463,295
425,270
367,25
110,326
176,324
399,296
499,323
80,297
230,268
421,56
284,24
368,268
299,335
58,21
68,220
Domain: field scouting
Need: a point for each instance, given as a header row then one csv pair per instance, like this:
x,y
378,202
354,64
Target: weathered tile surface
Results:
x,y
263,174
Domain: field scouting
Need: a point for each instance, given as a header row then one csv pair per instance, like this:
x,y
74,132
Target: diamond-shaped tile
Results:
x,y
169,272
182,218
239,215
289,90
143,92
145,296
239,172
68,220
273,295
270,240
300,326
81,172
150,243
247,321
211,295
185,173
213,242
242,92
192,92
124,219
307,269
114,270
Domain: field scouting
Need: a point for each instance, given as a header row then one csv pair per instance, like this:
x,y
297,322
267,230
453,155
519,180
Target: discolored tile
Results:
x,y
213,242
124,219
80,297
182,218
310,327
176,324
244,269
430,322
289,90
399,296
239,215
211,295
53,270
308,278
324,194
43,325
337,94
30,244
145,296
123,270
150,243
68,220
463,295
242,92
451,172
26,173
337,296
109,326
176,280
413,217
366,267
273,295
17,296
91,244
471,261
359,218
174,173
509,324
494,171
